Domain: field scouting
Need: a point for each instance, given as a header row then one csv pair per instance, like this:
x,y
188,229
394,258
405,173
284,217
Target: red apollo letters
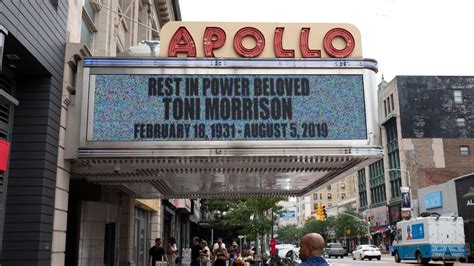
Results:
x,y
182,42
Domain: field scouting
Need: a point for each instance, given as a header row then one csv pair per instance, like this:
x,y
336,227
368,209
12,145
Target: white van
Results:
x,y
430,238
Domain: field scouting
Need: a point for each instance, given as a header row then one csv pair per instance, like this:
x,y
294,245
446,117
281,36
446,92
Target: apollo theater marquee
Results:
x,y
228,110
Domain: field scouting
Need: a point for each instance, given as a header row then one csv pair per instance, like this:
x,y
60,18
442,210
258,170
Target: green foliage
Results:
x,y
251,218
345,225
470,193
249,214
290,234
317,226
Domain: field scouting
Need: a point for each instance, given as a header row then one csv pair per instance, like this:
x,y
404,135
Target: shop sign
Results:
x,y
227,107
263,40
183,204
150,204
433,200
376,228
406,198
465,196
287,214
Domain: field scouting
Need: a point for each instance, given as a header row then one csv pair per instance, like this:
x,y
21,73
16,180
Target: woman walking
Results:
x,y
220,255
171,252
206,254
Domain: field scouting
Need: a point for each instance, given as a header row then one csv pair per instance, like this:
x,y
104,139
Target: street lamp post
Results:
x,y
272,225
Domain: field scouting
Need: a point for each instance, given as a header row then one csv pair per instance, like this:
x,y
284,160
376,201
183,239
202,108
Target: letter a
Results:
x,y
182,42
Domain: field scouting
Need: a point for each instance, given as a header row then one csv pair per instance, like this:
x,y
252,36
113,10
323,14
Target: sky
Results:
x,y
406,37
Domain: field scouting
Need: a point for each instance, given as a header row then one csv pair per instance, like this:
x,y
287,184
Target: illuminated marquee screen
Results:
x,y
202,107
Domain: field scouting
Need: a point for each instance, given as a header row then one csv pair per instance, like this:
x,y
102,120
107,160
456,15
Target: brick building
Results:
x,y
427,127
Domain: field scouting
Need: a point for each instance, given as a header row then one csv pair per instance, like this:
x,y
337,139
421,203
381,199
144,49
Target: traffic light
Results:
x,y
324,216
369,220
319,211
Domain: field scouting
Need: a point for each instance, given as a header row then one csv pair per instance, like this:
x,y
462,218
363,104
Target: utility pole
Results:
x,y
368,234
272,224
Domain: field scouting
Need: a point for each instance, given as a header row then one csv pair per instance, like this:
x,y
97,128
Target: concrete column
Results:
x,y
156,224
106,23
58,248
127,208
94,216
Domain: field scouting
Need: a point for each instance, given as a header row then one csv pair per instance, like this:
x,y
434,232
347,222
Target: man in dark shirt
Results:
x,y
196,252
156,253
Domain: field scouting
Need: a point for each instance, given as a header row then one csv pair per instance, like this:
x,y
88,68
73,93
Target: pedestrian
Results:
x,y
382,248
196,250
171,252
311,248
216,245
156,253
233,252
206,254
220,254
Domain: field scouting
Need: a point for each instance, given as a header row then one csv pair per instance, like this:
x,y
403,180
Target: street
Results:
x,y
386,260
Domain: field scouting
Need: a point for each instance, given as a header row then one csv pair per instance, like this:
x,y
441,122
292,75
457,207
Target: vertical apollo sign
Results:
x,y
241,103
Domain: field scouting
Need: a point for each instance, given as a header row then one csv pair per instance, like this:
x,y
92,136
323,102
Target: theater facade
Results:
x,y
227,110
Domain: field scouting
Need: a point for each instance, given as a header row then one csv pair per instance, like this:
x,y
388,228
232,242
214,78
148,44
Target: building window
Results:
x,y
320,196
377,182
329,187
385,107
393,157
457,96
362,188
329,196
464,150
88,27
391,101
343,186
461,122
329,204
343,196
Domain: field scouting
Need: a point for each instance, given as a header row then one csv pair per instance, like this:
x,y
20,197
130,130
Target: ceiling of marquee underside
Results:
x,y
197,177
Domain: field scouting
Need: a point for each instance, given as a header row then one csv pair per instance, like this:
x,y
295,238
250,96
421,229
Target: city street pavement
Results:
x,y
386,260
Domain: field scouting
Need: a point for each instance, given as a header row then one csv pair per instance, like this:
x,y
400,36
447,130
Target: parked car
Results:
x,y
334,250
282,249
366,252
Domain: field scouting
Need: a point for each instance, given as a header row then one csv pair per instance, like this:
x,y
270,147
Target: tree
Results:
x,y
290,234
247,214
345,225
317,226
